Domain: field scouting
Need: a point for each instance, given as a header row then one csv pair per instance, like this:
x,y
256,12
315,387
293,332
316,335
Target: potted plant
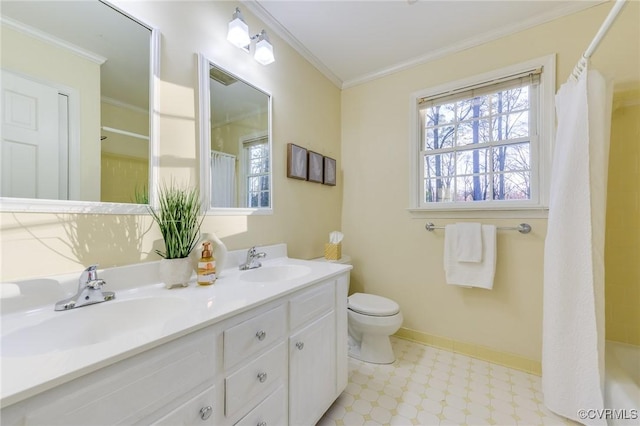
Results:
x,y
179,219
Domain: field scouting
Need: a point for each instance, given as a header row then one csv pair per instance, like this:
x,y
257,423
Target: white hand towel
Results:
x,y
470,274
468,242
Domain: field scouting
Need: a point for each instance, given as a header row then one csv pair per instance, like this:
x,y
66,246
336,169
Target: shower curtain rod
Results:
x,y
224,154
582,63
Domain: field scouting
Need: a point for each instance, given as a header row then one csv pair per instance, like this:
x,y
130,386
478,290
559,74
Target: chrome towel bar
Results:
x,y
523,228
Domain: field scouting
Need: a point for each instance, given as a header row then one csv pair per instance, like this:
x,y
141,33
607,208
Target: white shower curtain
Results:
x,y
223,180
573,321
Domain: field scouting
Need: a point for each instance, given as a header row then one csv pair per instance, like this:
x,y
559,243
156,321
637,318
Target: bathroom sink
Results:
x,y
89,325
275,273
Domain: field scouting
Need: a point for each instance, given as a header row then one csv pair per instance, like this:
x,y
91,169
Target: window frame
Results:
x,y
245,145
543,107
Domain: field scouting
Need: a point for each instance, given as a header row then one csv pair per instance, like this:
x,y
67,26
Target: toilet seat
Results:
x,y
370,304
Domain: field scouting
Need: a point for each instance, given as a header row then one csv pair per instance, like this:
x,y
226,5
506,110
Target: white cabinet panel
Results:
x,y
312,303
126,392
253,335
197,411
270,412
342,350
312,370
255,379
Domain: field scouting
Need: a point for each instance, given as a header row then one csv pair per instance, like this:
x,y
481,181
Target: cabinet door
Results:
x,y
312,370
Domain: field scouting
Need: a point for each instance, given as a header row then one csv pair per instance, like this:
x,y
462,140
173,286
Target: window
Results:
x,y
483,143
256,155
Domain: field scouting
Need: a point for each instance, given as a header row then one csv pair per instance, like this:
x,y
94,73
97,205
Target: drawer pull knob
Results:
x,y
261,335
205,412
262,424
300,345
262,377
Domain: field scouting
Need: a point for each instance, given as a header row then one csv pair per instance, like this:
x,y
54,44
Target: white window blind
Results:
x,y
503,83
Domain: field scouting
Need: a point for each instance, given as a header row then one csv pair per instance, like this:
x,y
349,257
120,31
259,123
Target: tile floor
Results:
x,y
430,386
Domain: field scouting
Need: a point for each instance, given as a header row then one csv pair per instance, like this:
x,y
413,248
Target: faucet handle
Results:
x,y
96,284
89,274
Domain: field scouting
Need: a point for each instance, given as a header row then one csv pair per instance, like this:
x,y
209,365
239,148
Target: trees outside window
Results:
x,y
480,144
257,176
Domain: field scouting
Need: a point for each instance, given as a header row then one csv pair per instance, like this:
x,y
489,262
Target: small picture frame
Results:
x,y
296,162
329,177
315,167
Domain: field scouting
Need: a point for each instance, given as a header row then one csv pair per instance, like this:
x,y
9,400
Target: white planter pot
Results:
x,y
176,272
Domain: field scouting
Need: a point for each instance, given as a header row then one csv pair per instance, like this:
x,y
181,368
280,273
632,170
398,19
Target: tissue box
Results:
x,y
332,251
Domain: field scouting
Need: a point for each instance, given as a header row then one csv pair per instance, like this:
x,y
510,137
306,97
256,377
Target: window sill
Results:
x,y
480,213
239,211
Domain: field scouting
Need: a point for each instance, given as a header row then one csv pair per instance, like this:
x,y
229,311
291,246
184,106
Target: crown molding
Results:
x,y
570,9
256,8
55,41
273,24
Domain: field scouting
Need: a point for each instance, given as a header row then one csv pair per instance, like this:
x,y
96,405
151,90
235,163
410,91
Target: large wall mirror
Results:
x,y
235,134
77,95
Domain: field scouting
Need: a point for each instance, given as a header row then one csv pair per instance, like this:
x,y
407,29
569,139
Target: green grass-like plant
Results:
x,y
179,219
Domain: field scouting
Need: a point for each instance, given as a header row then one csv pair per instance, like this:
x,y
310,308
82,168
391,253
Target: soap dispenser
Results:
x,y
206,265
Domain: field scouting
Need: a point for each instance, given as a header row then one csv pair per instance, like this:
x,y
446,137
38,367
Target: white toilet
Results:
x,y
372,319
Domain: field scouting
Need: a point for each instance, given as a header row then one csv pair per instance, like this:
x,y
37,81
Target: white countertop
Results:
x,y
25,375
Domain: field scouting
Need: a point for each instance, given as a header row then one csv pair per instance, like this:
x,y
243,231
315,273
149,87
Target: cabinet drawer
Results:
x,y
251,336
199,410
311,304
270,412
255,379
129,391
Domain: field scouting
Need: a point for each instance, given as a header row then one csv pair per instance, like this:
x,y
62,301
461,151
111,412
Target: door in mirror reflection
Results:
x,y
240,149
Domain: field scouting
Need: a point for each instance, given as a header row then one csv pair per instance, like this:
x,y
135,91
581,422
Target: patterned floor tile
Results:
x,y
429,386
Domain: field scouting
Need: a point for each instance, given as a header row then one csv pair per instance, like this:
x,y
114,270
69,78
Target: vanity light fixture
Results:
x,y
264,49
238,35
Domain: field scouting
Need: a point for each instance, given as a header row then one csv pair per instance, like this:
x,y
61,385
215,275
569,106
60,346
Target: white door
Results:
x,y
30,143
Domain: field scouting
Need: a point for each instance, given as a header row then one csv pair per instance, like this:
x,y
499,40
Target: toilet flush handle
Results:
x,y
300,345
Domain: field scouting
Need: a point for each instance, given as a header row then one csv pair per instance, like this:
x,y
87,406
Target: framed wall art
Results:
x,y
329,177
315,167
296,162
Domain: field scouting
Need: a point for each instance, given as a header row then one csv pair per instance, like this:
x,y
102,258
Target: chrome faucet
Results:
x,y
89,291
252,259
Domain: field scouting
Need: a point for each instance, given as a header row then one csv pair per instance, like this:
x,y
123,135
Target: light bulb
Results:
x,y
238,33
264,50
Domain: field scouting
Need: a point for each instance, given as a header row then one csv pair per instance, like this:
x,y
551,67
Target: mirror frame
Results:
x,y
36,205
204,93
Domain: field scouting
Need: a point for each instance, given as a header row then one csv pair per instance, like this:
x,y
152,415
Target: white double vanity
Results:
x,y
261,347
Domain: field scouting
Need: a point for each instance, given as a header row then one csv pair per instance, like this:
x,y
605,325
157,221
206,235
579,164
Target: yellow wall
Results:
x,y
622,269
128,119
124,161
306,111
124,178
48,64
393,255
226,137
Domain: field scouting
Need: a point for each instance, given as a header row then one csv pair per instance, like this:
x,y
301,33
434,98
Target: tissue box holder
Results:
x,y
332,251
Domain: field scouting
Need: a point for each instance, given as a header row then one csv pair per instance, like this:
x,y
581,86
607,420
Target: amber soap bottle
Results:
x,y
206,265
